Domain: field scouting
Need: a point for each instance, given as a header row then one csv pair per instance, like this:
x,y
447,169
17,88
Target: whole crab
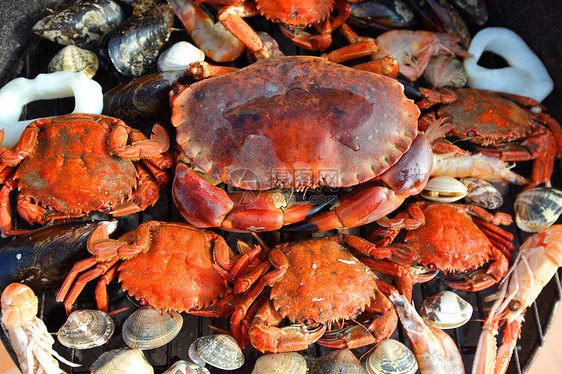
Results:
x,y
315,283
67,166
456,239
511,127
293,15
169,266
296,123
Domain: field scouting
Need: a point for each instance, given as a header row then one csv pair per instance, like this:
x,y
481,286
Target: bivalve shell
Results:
x,y
446,310
148,328
219,350
122,361
537,208
280,363
184,367
76,59
445,71
482,193
342,361
86,329
179,57
444,189
391,357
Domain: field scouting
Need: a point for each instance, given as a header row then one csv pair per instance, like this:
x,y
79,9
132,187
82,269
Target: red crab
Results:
x,y
454,238
315,283
169,266
511,127
70,165
297,122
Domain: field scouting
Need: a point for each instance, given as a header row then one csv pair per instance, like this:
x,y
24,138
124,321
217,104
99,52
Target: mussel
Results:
x,y
73,58
219,350
444,189
131,49
148,328
482,193
83,24
474,11
86,328
391,357
382,14
184,367
280,363
41,258
341,361
446,310
122,361
537,208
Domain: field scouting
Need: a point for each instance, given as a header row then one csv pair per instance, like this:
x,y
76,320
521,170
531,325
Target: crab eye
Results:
x,y
514,306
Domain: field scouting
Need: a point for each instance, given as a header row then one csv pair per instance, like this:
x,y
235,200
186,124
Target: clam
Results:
x,y
179,57
482,193
445,71
391,357
76,59
341,361
537,208
444,189
219,350
446,310
122,361
86,329
148,328
280,363
184,367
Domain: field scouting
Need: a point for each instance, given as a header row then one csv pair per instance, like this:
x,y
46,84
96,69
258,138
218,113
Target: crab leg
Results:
x,y
146,194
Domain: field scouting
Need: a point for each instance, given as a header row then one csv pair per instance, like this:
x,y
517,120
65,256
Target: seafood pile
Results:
x,y
277,187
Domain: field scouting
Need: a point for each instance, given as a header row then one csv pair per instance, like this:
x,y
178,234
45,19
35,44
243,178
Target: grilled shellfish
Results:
x,y
446,310
122,361
148,328
391,357
444,189
219,350
340,361
537,208
280,363
482,193
184,367
73,58
86,328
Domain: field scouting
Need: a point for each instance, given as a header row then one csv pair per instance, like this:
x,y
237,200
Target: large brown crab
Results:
x,y
456,239
70,165
511,127
169,266
297,123
315,283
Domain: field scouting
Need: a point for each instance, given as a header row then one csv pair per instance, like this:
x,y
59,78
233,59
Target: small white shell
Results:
x,y
148,328
444,189
446,310
280,363
86,329
219,350
179,57
391,357
73,58
337,362
537,208
482,193
184,367
122,361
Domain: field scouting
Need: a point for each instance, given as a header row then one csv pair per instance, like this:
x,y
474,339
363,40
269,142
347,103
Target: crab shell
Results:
x,y
295,12
176,272
295,121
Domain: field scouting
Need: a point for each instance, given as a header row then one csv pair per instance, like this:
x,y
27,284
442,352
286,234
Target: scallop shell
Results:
x,y
482,193
73,58
179,57
342,361
184,367
445,71
446,310
148,328
122,361
280,363
537,208
391,357
86,329
444,189
219,350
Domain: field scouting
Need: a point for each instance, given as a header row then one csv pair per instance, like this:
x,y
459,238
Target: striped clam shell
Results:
x,y
482,193
391,357
184,367
122,361
537,208
148,328
341,361
280,363
86,329
218,350
75,59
